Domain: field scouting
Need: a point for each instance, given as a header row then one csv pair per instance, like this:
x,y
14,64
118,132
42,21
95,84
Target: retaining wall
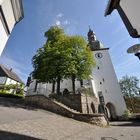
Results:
x,y
43,102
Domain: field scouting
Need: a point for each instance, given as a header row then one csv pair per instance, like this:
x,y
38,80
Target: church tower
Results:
x,y
103,79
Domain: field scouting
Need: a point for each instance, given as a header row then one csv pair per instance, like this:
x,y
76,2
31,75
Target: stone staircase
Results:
x,y
66,107
70,103
52,105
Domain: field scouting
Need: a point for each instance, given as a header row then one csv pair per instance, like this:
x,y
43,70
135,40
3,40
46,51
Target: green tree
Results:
x,y
130,88
62,57
81,59
49,61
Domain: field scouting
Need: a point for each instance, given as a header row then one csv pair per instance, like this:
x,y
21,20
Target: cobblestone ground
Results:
x,y
23,124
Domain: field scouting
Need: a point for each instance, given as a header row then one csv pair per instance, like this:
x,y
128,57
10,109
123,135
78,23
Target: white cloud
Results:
x,y
58,22
66,22
69,26
59,15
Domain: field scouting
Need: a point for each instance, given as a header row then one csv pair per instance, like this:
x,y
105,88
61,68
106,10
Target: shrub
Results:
x,y
13,89
126,115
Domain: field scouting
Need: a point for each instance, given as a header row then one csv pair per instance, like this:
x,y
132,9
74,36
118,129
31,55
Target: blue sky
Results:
x,y
74,16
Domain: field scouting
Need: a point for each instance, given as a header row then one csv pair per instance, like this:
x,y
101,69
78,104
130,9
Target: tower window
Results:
x,y
100,83
103,79
98,67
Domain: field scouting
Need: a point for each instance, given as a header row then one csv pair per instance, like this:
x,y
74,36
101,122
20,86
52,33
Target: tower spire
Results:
x,y
92,42
89,27
91,35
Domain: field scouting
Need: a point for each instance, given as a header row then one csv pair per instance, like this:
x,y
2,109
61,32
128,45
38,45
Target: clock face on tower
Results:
x,y
99,55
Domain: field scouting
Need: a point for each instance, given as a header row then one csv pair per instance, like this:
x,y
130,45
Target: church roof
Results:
x,y
101,49
9,73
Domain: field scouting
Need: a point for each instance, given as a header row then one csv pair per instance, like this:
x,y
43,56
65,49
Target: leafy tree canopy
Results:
x,y
61,57
129,86
81,57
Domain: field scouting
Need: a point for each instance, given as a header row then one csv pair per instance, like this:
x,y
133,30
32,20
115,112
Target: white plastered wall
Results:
x,y
10,81
105,80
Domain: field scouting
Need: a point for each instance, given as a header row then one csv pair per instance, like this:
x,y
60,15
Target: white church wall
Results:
x,y
46,88
106,81
66,83
94,88
31,88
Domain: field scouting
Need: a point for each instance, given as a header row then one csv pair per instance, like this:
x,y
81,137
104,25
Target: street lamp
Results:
x,y
135,50
137,54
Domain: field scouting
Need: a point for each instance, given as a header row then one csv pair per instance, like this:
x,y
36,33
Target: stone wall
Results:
x,y
43,102
83,103
89,104
47,104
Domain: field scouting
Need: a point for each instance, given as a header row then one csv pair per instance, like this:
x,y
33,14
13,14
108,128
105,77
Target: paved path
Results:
x,y
17,123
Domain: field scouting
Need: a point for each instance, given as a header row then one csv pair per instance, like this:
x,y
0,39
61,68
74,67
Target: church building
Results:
x,y
103,82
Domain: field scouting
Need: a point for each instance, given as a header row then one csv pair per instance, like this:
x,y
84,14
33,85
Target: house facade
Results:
x,y
11,12
8,77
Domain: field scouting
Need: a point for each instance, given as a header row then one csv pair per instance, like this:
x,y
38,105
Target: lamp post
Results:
x,y
137,54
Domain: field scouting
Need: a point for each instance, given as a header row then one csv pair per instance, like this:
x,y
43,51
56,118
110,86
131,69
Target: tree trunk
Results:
x,y
73,83
130,101
81,83
53,86
134,103
131,104
36,83
58,85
